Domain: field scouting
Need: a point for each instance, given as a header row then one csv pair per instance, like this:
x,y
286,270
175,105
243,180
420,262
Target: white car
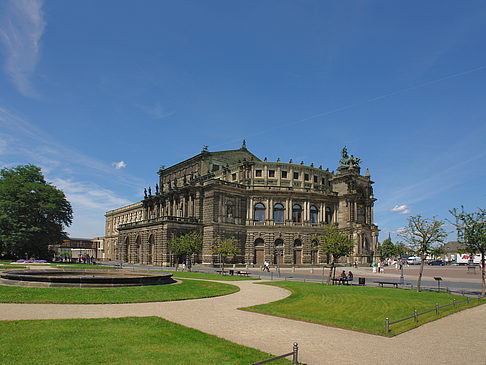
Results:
x,y
414,260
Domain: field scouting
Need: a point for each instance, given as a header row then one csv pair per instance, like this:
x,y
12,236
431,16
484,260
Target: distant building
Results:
x,y
75,247
273,209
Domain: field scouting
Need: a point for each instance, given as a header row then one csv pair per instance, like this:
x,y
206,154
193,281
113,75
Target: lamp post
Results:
x,y
279,255
402,279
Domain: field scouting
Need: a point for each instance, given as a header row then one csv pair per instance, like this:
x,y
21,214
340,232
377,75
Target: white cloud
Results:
x,y
157,111
119,165
88,196
21,29
401,209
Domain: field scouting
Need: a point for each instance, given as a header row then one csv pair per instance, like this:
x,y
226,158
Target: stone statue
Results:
x,y
243,145
205,148
145,192
157,189
347,161
150,191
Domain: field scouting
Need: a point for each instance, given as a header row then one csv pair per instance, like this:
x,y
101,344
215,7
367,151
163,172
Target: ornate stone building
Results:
x,y
273,209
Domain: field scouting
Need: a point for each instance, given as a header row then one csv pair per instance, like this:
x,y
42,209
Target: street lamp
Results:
x,y
279,251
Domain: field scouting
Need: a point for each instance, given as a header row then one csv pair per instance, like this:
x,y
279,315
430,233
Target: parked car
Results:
x,y
414,260
436,263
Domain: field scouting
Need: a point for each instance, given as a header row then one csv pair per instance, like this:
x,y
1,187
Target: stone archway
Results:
x,y
297,255
259,254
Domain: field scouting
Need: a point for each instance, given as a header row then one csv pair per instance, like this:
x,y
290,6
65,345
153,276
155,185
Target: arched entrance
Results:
x,y
258,257
137,258
297,259
124,250
278,252
150,250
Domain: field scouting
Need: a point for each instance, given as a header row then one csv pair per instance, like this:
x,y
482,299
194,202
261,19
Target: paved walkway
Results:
x,y
456,339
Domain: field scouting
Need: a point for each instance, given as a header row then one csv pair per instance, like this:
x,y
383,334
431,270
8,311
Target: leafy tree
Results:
x,y
33,213
400,249
387,248
471,232
423,235
185,245
336,243
225,247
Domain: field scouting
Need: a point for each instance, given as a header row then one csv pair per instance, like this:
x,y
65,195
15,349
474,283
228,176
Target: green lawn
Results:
x,y
149,340
188,289
358,308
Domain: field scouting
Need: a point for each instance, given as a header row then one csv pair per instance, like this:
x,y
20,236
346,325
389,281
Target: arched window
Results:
x,y
259,242
296,213
313,214
328,215
259,212
297,243
278,213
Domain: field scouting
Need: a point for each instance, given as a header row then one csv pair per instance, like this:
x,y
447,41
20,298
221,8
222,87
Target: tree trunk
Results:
x,y
330,273
419,280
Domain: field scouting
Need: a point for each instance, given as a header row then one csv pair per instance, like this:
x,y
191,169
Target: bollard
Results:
x,y
454,302
479,299
468,300
295,354
387,325
437,308
415,315
271,275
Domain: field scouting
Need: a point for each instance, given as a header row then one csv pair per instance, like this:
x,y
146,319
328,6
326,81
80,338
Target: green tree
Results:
x,y
387,248
225,247
471,232
184,246
400,249
336,243
423,235
33,213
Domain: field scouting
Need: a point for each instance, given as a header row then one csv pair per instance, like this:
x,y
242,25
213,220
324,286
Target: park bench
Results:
x,y
344,281
395,283
242,273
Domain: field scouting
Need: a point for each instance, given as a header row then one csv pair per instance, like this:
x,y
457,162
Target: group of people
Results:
x,y
344,279
380,267
86,259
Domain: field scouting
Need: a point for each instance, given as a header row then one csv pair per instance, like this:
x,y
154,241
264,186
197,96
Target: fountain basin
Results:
x,y
83,278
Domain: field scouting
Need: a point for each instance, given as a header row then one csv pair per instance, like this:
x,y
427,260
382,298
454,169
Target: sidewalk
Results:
x,y
458,338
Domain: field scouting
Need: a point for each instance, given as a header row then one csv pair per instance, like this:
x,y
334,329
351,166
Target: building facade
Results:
x,y
274,209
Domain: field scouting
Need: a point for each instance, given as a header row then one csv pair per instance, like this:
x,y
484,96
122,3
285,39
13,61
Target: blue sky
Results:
x,y
101,93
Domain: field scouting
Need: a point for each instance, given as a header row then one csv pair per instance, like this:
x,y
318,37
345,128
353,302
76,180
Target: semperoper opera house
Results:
x,y
274,209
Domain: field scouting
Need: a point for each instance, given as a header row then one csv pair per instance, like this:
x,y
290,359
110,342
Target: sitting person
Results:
x,y
350,276
343,278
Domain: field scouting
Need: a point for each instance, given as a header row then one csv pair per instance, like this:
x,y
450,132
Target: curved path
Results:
x,y
458,338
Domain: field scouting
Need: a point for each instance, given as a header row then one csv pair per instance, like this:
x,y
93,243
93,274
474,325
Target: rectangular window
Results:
x,y
296,175
323,181
306,177
315,179
215,168
233,176
258,173
271,173
284,174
